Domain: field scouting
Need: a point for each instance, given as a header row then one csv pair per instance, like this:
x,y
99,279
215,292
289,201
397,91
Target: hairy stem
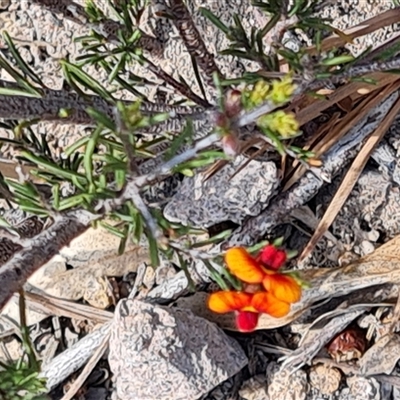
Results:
x,y
39,250
193,41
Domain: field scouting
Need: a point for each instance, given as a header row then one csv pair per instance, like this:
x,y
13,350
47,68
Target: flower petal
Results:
x,y
283,287
246,321
266,303
227,301
243,265
271,257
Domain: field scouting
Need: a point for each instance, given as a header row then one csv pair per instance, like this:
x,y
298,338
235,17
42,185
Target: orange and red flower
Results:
x,y
265,290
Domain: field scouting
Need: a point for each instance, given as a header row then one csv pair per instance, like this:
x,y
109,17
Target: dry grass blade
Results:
x,y
261,150
214,168
8,170
63,308
347,36
386,45
78,383
60,367
339,130
314,108
351,178
295,170
306,216
370,25
351,119
244,146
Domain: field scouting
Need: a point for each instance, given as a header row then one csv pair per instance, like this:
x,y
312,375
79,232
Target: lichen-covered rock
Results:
x,y
255,388
282,385
227,196
363,388
325,379
164,353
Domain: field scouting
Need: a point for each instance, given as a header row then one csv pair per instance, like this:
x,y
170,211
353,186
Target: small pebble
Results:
x,y
286,386
325,379
4,4
254,388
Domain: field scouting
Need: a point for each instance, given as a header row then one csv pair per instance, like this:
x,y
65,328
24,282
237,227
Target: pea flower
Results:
x,y
265,289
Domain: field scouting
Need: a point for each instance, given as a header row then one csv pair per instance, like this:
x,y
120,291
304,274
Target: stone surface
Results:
x,y
325,379
225,196
285,386
94,256
363,388
254,388
166,353
382,357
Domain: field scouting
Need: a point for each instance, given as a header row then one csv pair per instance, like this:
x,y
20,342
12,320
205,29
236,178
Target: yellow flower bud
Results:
x,y
256,96
285,124
282,90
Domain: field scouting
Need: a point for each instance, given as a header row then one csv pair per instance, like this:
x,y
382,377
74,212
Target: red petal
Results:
x,y
283,287
246,321
243,265
271,257
266,303
227,301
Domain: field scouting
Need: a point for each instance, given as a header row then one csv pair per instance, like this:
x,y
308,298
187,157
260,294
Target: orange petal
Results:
x,y
243,265
246,321
227,301
265,302
283,287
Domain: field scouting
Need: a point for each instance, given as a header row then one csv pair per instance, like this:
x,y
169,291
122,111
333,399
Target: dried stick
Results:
x,y
48,108
94,359
65,364
39,250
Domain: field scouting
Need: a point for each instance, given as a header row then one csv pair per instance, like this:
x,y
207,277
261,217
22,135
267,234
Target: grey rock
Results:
x,y
286,386
167,353
255,388
225,196
325,378
363,388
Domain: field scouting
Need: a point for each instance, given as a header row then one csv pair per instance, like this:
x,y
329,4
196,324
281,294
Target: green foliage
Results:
x,y
20,380
98,168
